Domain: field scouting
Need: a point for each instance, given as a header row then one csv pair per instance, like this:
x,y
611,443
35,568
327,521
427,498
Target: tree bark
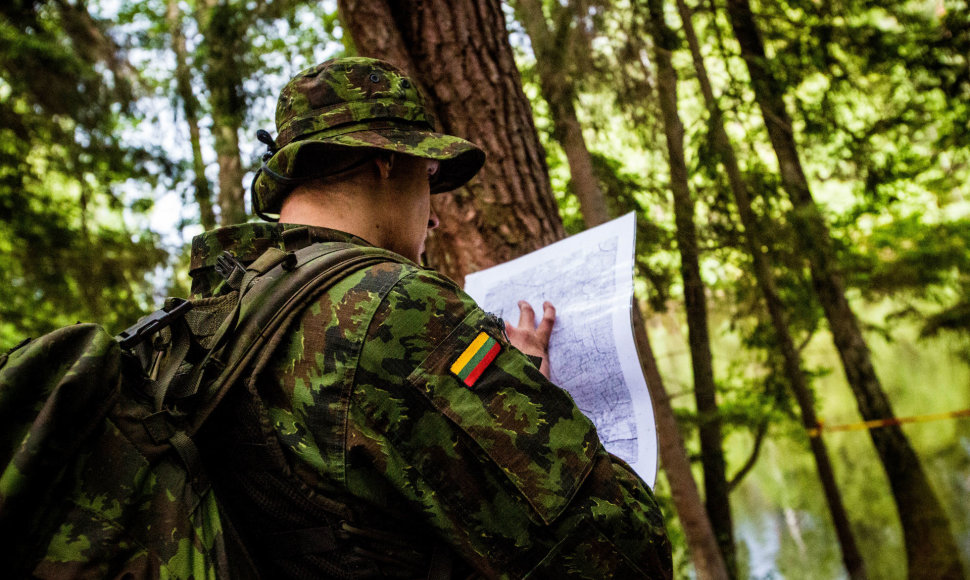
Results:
x,y
558,89
459,52
854,563
931,549
224,33
190,106
709,423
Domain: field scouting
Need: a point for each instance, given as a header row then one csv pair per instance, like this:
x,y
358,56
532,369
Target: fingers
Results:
x,y
548,320
527,316
529,339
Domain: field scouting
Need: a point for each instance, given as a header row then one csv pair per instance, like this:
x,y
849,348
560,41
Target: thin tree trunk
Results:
x,y
931,549
559,92
223,32
190,105
458,51
550,48
709,422
705,552
232,209
766,282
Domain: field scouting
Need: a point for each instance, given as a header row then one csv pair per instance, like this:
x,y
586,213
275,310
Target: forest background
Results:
x,y
799,169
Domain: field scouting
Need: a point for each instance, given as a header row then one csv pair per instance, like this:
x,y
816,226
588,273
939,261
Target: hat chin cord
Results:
x,y
282,179
291,182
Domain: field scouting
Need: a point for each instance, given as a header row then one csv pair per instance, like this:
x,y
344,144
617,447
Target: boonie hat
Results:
x,y
354,102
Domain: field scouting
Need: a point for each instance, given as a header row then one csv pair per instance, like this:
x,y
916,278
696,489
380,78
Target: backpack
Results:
x,y
100,475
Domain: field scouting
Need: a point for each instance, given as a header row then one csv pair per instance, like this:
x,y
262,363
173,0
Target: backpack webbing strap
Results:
x,y
230,269
180,343
269,260
192,460
299,277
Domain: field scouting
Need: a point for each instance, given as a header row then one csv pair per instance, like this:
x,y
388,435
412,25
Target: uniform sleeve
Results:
x,y
495,458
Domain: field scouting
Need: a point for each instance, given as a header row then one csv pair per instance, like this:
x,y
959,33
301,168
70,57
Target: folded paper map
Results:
x,y
588,277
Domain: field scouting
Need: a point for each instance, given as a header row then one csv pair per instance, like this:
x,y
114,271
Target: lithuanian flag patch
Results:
x,y
476,358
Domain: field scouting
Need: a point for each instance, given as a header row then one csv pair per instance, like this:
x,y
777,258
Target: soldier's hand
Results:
x,y
529,338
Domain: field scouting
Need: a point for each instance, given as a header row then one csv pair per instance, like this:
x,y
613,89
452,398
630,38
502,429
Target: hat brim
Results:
x,y
459,159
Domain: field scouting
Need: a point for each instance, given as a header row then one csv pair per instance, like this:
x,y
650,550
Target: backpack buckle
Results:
x,y
154,322
231,269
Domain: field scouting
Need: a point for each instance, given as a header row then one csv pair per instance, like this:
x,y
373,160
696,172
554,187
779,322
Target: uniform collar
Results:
x,y
247,242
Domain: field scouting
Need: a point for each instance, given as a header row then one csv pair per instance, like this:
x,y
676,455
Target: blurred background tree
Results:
x,y
66,95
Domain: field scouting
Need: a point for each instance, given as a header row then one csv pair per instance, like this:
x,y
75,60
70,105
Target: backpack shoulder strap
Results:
x,y
273,291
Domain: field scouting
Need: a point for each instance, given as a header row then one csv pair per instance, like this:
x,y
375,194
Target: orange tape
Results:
x,y
817,431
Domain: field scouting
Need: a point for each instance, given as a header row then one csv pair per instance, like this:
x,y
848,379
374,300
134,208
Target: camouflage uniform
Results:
x,y
508,472
371,396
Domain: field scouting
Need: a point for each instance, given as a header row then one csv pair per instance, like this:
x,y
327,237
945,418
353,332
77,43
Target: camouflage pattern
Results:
x,y
248,242
100,474
509,473
114,516
352,103
78,478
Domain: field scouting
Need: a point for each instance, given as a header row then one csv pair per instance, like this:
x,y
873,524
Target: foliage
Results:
x,y
880,104
65,97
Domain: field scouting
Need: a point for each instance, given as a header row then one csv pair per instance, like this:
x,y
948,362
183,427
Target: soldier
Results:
x,y
423,434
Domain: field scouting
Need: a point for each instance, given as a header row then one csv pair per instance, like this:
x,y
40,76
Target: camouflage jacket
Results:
x,y
370,398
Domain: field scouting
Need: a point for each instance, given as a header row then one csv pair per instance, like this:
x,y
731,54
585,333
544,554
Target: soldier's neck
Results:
x,y
349,206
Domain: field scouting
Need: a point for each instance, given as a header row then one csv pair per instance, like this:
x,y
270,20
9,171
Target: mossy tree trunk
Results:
x,y
551,47
223,27
190,107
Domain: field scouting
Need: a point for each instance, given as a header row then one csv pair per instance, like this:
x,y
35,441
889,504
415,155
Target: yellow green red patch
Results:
x,y
476,358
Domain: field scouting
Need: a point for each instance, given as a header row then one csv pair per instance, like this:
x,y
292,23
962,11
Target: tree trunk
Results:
x,y
550,48
95,45
459,52
766,282
232,194
559,91
190,105
931,550
703,546
224,32
709,422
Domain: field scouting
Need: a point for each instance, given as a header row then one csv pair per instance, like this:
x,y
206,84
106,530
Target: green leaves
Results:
x,y
63,245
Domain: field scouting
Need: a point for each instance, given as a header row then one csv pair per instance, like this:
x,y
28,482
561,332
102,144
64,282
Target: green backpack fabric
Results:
x,y
100,475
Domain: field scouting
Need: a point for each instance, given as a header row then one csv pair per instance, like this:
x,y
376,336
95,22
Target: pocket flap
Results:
x,y
526,426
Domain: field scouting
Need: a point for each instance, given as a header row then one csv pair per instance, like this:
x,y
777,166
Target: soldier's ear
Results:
x,y
385,164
